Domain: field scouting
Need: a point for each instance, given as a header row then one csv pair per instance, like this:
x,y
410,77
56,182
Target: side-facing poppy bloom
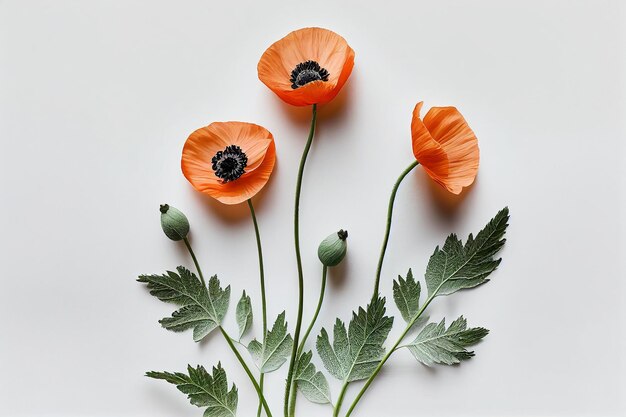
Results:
x,y
308,66
445,146
230,161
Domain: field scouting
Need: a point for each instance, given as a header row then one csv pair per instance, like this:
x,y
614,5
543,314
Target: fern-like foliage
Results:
x,y
204,389
201,309
436,344
355,353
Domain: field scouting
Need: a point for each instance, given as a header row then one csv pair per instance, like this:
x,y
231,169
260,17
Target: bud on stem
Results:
x,y
333,249
173,222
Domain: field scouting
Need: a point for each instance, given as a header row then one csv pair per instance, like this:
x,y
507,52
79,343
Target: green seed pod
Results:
x,y
332,250
173,222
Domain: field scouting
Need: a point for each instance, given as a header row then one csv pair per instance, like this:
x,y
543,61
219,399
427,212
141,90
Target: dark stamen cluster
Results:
x,y
229,164
306,72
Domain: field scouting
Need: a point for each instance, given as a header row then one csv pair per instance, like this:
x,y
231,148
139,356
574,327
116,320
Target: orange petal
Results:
x,y
248,185
325,47
445,146
426,149
252,139
448,127
199,148
255,141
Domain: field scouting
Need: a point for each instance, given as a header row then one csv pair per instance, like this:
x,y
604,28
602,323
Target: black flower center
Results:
x,y
229,164
306,72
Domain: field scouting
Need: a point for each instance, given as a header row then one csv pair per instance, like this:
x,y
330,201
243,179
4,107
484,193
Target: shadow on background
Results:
x,y
445,205
338,275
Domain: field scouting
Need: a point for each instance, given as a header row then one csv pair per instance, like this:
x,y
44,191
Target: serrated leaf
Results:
x,y
434,344
311,382
204,390
201,309
355,353
244,314
406,294
455,267
270,355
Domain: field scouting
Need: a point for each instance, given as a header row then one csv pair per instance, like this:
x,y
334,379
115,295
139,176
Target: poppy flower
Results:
x,y
308,66
445,146
230,161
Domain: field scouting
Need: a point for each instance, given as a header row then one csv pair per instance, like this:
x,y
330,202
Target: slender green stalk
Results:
x,y
390,352
263,300
342,395
195,260
317,310
388,228
229,340
294,391
296,234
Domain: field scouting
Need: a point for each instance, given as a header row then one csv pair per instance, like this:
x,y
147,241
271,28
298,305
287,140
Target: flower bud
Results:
x,y
333,249
173,222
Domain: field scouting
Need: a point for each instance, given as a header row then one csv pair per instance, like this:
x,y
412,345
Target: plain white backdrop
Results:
x,y
98,97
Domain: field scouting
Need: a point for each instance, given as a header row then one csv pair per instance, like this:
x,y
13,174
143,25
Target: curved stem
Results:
x,y
296,233
388,228
261,269
294,391
229,340
261,383
263,300
317,310
195,260
342,394
389,353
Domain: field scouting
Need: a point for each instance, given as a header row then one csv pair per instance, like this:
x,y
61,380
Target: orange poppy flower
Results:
x,y
308,66
230,161
445,146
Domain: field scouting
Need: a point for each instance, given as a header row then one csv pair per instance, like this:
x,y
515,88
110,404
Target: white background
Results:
x,y
97,99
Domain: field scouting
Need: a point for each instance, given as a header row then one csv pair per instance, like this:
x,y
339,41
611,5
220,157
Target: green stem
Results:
x,y
317,310
342,394
390,352
229,340
195,260
261,383
293,397
388,228
263,300
296,233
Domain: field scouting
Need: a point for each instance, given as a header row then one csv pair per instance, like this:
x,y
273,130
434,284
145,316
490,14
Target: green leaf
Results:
x,y
204,390
311,382
201,309
455,267
244,314
355,353
434,344
406,294
270,355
